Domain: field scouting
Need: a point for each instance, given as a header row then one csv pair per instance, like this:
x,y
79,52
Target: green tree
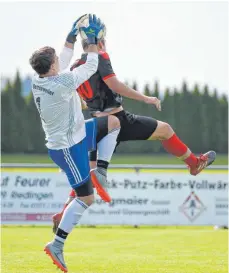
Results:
x,y
223,103
194,110
20,116
5,121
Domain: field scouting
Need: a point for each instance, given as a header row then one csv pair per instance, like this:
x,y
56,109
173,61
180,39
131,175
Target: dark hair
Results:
x,y
42,59
85,44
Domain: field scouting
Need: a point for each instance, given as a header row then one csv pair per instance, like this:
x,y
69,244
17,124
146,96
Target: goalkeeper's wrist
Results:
x,y
71,38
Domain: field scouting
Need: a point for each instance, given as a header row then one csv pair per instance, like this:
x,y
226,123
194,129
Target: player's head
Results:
x,y
44,61
101,44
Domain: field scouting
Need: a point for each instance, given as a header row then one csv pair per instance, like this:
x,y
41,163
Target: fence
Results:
x,y
141,195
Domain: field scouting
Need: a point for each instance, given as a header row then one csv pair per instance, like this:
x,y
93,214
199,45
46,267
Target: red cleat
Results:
x,y
99,182
203,161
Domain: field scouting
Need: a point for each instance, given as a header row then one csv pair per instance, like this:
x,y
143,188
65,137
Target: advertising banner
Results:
x,y
144,197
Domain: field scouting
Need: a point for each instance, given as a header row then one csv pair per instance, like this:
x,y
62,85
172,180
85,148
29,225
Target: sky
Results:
x,y
147,41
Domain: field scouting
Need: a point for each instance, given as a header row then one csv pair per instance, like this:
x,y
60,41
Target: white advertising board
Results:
x,y
147,197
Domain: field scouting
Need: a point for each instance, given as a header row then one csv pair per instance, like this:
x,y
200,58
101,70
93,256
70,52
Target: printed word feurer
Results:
x,y
31,182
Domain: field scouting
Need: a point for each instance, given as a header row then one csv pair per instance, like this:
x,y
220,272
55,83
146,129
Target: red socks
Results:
x,y
176,147
191,160
72,194
65,206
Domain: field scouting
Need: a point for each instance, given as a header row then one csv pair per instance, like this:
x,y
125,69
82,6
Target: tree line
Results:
x,y
198,116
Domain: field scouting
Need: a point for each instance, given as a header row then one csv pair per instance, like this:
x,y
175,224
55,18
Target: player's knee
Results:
x,y
88,200
166,130
113,123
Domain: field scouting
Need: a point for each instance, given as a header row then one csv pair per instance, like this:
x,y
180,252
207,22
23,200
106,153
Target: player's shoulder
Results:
x,y
104,55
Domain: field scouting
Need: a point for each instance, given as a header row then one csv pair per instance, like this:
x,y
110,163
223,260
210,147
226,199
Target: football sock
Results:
x,y
70,219
106,147
176,147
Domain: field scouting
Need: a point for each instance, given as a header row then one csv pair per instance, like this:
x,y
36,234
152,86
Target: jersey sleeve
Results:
x,y
73,79
65,57
105,68
83,72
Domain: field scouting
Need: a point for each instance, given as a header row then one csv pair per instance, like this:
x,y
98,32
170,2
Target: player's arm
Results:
x,y
67,51
65,57
119,87
109,77
85,71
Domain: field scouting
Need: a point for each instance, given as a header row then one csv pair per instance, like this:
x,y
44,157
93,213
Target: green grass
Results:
x,y
118,250
117,159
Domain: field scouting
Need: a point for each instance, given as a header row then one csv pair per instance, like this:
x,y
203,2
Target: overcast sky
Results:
x,y
169,42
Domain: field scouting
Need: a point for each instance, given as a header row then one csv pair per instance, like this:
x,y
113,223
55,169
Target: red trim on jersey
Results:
x,y
109,76
81,62
104,55
74,64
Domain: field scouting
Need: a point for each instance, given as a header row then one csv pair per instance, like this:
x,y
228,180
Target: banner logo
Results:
x,y
192,207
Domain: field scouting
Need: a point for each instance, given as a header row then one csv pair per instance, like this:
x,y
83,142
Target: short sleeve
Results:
x,y
105,68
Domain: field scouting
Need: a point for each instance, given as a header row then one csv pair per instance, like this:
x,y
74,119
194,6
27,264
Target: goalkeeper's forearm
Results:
x,y
65,57
83,72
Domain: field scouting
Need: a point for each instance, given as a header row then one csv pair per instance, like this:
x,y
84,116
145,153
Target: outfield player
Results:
x,y
63,123
103,95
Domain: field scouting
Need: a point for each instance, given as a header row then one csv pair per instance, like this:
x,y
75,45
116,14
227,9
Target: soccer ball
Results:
x,y
84,22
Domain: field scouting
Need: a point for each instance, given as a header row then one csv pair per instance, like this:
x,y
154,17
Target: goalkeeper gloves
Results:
x,y
71,38
93,30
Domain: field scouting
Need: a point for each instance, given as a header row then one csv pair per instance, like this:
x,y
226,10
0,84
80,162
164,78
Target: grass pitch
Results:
x,y
118,250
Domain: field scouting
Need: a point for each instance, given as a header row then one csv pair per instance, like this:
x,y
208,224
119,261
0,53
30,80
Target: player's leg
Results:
x,y
174,145
106,133
56,218
107,130
134,127
75,163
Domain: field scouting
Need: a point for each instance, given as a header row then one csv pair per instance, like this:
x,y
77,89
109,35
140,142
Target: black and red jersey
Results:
x,y
95,92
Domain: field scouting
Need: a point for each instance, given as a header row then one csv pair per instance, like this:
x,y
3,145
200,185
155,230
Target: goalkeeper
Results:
x,y
63,123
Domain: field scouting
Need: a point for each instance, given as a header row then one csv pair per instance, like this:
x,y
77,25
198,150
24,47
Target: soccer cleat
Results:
x,y
99,181
203,161
56,254
56,221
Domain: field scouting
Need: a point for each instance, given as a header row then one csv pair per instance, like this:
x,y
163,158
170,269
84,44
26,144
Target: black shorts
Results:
x,y
102,128
133,127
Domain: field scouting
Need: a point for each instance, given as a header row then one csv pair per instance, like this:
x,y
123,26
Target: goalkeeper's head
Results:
x,y
44,61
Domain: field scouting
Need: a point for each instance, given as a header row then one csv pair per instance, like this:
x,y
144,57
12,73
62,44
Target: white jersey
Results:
x,y
59,104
